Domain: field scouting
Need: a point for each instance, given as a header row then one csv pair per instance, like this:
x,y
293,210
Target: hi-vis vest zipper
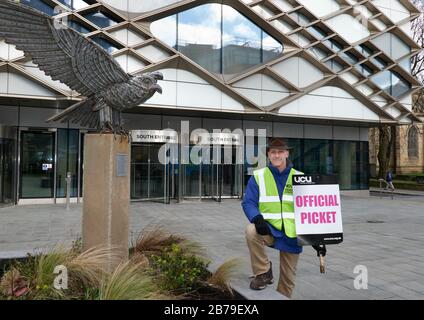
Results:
x,y
275,211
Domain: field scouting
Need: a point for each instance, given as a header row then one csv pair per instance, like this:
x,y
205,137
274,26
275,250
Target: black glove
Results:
x,y
261,226
321,250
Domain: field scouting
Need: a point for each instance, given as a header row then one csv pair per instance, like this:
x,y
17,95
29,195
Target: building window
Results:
x,y
392,45
40,5
317,32
392,82
413,142
74,4
349,57
109,47
333,45
78,26
100,19
218,38
300,18
365,50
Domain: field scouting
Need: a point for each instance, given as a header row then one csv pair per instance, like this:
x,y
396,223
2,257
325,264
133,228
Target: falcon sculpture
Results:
x,y
67,56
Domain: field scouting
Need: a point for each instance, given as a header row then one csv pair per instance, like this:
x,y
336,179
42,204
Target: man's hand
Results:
x,y
321,250
261,226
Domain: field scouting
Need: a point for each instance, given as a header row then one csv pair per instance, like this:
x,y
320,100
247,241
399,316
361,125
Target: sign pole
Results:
x,y
321,264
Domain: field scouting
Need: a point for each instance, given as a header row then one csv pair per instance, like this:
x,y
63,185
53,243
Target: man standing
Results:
x,y
389,179
268,204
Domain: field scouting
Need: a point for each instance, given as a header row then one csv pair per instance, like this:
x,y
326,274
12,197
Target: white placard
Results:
x,y
317,209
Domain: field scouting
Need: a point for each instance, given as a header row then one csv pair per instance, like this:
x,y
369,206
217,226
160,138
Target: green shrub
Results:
x,y
178,270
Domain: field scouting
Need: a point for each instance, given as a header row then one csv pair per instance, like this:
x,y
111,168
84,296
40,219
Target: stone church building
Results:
x,y
408,153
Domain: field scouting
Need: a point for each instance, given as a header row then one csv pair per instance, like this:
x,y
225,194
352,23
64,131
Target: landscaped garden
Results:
x,y
160,266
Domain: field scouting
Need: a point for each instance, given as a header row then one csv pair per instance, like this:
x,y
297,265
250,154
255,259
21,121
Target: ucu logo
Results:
x,y
303,179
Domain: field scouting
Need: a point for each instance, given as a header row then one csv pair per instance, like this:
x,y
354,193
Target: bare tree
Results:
x,y
417,61
386,141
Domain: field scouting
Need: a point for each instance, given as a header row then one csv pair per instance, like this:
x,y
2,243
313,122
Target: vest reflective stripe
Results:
x,y
269,199
287,198
277,212
286,215
275,216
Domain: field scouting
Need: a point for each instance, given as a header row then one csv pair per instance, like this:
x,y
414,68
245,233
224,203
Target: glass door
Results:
x,y
215,179
158,175
231,173
150,177
225,174
211,178
37,164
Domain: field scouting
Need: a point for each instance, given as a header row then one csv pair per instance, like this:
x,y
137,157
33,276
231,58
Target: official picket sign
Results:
x,y
317,210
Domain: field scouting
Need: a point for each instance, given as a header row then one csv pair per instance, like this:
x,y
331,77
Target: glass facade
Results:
x,y
46,157
218,38
347,160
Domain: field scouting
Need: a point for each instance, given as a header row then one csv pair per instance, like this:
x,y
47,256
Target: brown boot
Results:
x,y
262,280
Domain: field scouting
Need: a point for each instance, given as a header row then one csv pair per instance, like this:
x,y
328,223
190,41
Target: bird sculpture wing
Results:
x,y
62,53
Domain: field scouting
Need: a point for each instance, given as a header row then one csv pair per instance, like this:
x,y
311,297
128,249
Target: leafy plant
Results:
x,y
179,271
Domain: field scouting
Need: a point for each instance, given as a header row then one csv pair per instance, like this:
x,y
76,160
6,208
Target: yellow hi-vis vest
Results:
x,y
275,211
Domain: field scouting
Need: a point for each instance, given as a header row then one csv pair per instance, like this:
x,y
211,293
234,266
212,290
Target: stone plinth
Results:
x,y
106,192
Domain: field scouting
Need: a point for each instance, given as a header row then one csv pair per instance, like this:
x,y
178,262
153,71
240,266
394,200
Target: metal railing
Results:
x,y
68,190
